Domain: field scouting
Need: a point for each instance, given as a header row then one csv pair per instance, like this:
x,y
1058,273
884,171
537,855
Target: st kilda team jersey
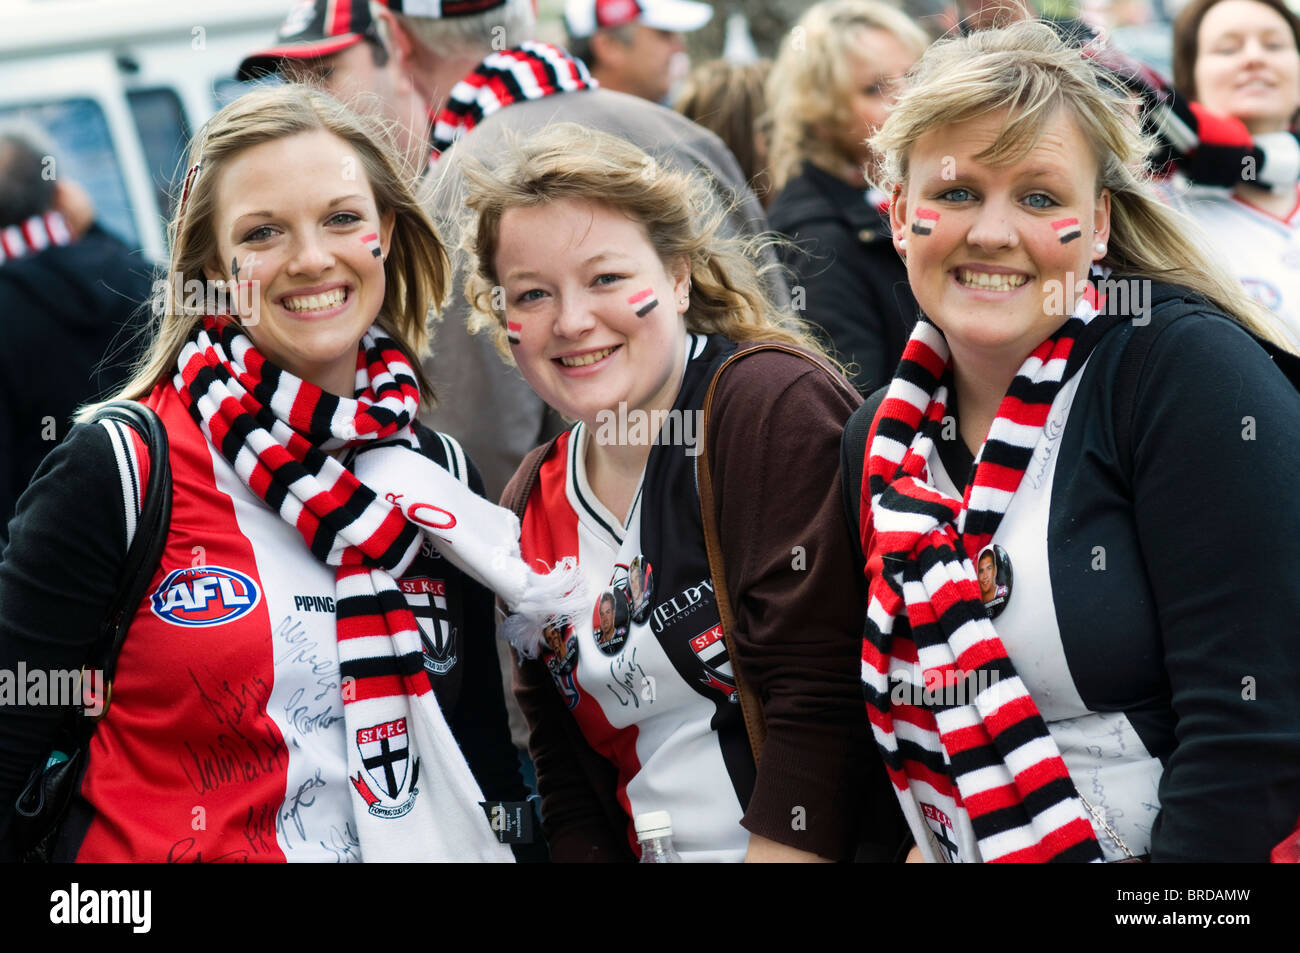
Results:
x,y
645,673
225,737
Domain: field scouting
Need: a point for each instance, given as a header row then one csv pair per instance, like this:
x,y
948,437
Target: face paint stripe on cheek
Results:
x,y
924,222
649,305
371,241
1067,229
513,330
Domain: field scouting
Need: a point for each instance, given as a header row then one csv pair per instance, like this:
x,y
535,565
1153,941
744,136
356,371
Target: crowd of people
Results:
x,y
855,427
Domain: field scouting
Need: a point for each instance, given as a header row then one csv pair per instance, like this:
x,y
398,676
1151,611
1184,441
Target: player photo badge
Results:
x,y
610,621
561,646
993,569
640,589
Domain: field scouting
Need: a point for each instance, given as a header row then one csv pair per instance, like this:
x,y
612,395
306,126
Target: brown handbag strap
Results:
x,y
751,707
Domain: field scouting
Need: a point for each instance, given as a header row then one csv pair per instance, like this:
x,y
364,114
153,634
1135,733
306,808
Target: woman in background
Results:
x,y
1241,58
834,82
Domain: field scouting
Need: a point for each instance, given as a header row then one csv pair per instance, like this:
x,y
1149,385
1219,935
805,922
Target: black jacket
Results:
x,y
69,317
847,278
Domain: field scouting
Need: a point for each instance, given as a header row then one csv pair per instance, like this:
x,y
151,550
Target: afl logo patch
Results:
x,y
204,595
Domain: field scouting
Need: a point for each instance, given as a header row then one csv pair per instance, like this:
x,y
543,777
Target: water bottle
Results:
x,y
655,832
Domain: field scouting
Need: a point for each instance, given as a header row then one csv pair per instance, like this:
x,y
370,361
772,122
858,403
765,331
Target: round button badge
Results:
x,y
993,569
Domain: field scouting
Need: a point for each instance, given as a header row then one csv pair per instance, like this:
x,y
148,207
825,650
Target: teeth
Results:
x,y
583,360
982,279
329,299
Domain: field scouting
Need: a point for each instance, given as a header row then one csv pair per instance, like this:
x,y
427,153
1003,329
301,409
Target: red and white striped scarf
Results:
x,y
527,71
926,623
35,234
275,430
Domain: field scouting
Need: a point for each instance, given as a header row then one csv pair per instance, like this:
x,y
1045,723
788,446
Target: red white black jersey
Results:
x,y
225,737
646,674
1260,248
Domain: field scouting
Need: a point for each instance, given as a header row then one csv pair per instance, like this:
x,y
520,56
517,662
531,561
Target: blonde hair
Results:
x,y
416,270
1027,69
681,219
809,87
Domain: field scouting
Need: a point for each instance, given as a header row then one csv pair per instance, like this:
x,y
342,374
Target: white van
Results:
x,y
121,84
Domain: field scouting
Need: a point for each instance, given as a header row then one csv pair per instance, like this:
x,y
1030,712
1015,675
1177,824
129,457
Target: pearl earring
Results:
x,y
1101,248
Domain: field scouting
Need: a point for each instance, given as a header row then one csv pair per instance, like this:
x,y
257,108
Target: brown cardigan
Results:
x,y
773,444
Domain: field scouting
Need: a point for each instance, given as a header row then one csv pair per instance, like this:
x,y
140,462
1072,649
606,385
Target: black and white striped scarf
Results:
x,y
277,432
925,621
528,71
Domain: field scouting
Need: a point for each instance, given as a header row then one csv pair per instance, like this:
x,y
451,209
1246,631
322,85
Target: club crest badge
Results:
x,y
427,598
385,754
710,649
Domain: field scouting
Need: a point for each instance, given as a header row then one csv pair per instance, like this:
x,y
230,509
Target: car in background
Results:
x,y
120,85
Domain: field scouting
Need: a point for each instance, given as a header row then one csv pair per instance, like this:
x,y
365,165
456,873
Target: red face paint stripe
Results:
x,y
927,213
1067,229
514,327
640,296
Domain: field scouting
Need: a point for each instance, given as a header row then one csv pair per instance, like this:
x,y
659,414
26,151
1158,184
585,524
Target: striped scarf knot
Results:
x,y
926,624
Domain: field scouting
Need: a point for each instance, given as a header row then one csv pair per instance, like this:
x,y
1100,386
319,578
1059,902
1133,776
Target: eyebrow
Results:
x,y
594,259
264,213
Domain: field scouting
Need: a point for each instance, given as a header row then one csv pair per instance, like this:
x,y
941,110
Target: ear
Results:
x,y
680,272
386,223
1101,222
213,271
402,46
606,50
898,218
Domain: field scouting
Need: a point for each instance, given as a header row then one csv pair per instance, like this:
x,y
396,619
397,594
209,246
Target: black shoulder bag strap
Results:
x,y
44,802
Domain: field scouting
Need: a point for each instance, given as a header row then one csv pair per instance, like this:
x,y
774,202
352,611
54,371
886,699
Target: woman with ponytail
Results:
x,y
702,462
1091,401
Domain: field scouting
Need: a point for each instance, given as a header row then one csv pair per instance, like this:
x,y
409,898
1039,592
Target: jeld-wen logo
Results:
x,y
103,906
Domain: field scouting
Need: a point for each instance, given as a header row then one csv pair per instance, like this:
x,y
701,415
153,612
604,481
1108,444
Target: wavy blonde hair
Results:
x,y
416,270
677,210
1027,69
810,83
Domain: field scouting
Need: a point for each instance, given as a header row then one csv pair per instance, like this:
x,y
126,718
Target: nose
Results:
x,y
994,226
311,255
574,317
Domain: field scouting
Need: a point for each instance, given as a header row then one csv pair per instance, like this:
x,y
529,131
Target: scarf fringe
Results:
x,y
556,597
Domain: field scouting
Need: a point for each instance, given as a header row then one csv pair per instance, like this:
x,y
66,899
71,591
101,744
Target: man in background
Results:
x,y
72,308
340,48
634,46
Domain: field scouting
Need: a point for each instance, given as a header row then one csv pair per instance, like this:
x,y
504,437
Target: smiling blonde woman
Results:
x,y
301,638
1096,426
